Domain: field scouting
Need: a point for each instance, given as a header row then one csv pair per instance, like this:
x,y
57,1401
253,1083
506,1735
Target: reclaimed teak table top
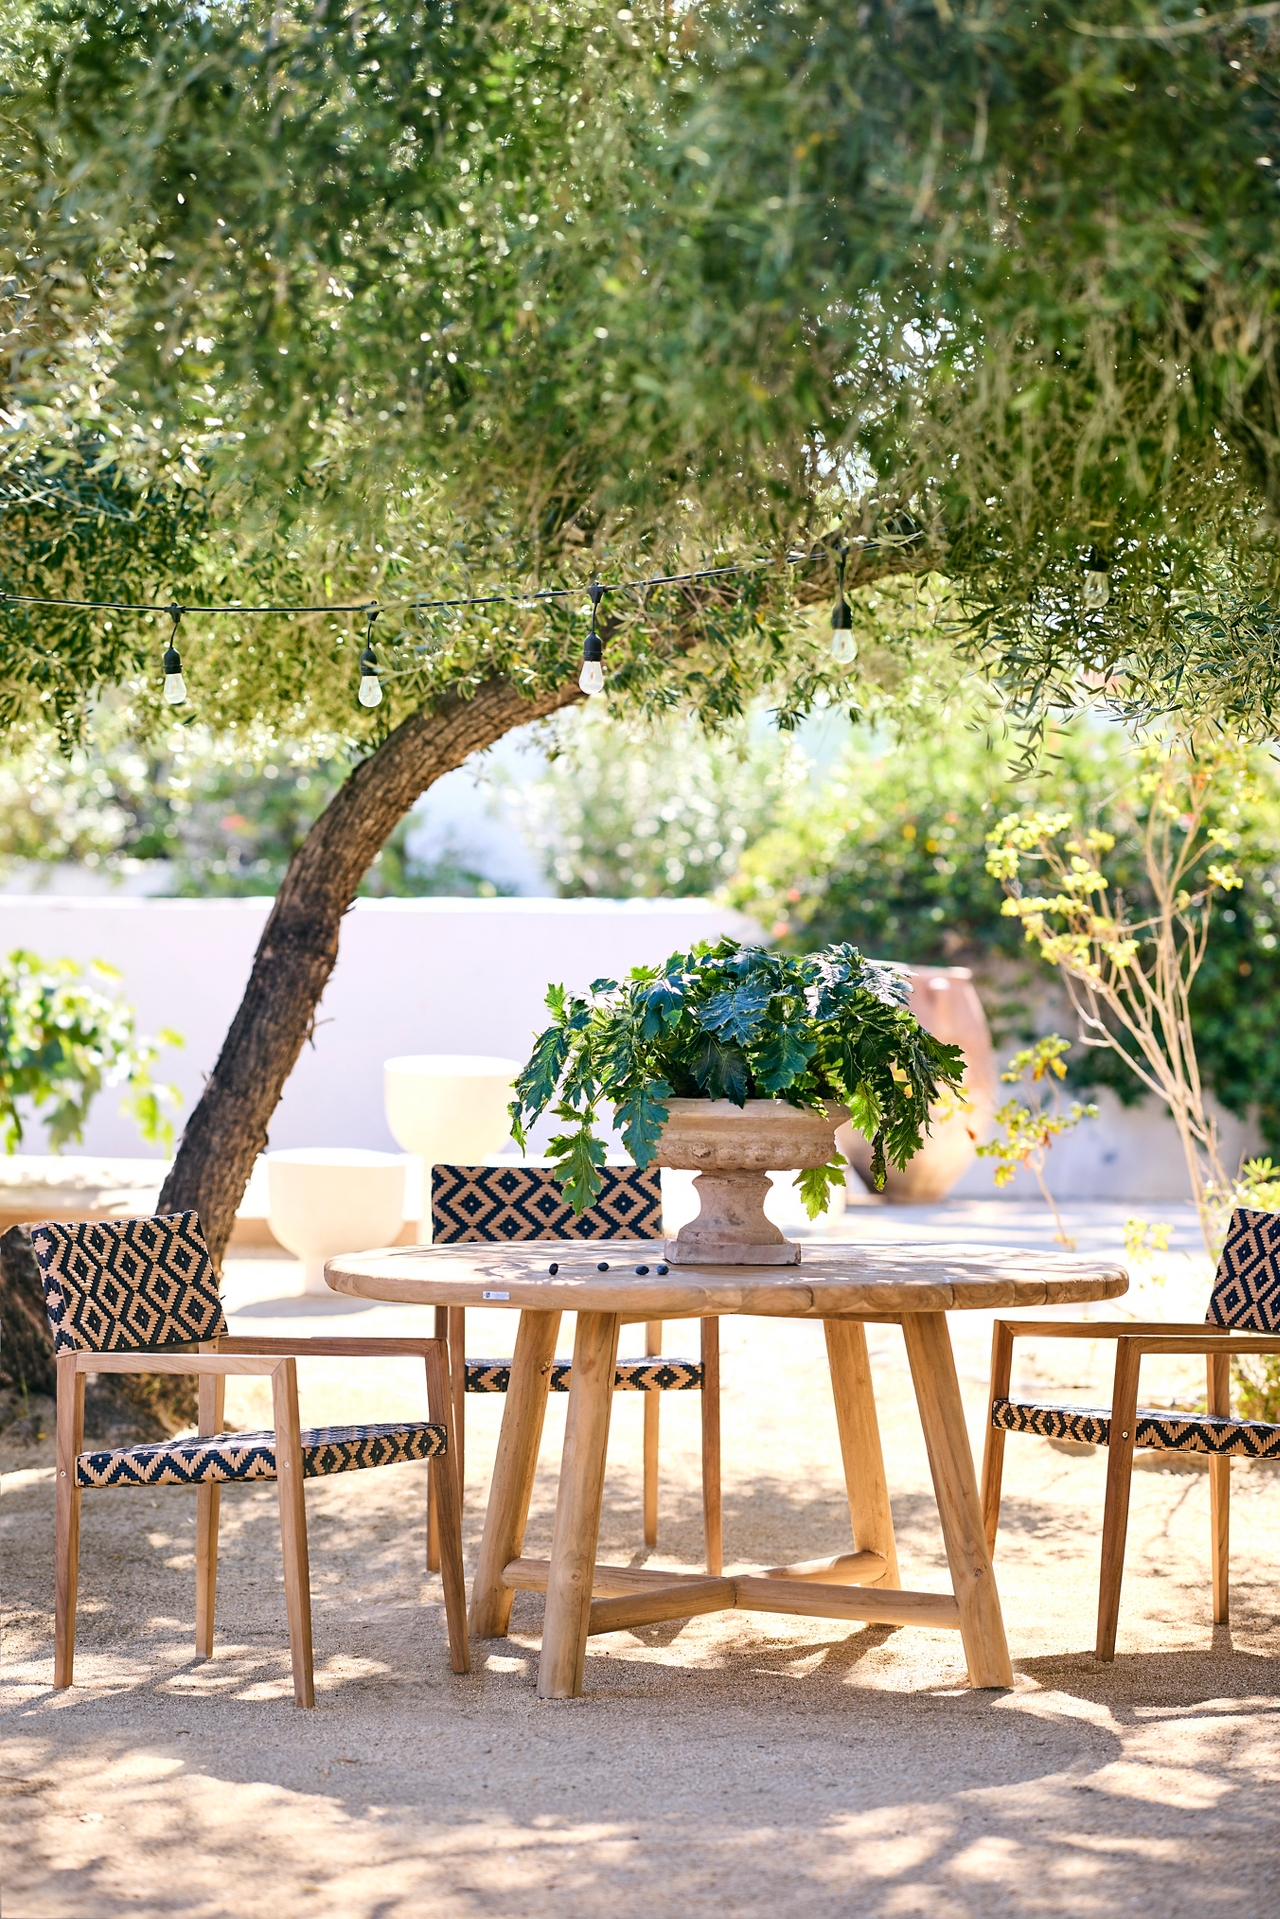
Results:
x,y
608,1283
834,1281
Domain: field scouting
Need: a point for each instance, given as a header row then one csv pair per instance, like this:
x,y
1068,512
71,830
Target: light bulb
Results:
x,y
1097,589
844,647
591,678
370,684
175,687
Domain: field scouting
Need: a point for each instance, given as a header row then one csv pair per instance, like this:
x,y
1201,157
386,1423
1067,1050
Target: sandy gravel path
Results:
x,y
734,1765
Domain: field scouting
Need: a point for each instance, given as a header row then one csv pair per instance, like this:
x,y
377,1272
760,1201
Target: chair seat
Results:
x,y
196,1460
651,1375
1170,1432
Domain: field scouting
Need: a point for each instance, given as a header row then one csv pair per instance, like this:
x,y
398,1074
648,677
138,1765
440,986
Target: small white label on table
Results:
x,y
495,1295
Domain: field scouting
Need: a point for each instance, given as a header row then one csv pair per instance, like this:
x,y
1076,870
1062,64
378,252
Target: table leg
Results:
x,y
933,1374
513,1470
577,1527
869,1509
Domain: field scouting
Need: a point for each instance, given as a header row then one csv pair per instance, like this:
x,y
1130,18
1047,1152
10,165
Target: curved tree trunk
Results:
x,y
299,945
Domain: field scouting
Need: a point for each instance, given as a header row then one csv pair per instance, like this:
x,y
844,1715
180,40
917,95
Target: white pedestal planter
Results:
x,y
449,1108
328,1200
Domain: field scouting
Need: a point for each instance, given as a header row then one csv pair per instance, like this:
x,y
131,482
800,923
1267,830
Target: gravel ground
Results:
x,y
735,1763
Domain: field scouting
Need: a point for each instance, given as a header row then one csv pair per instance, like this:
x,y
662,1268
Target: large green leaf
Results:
x,y
642,1118
817,1183
736,1013
722,1071
576,1159
781,1058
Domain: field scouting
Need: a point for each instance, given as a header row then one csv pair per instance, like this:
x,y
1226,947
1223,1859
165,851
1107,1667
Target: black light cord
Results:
x,y
371,676
363,606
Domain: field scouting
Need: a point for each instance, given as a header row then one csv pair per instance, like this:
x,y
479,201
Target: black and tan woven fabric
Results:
x,y
1167,1432
631,1376
505,1203
227,1456
127,1285
1246,1286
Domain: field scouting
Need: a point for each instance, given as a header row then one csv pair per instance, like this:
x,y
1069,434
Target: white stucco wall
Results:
x,y
413,976
460,976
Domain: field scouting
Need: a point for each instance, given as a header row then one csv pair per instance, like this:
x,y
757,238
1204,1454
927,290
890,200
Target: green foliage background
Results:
x,y
306,300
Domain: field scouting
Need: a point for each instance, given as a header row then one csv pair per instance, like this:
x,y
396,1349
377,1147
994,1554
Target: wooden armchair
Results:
x,y
1243,1317
134,1296
506,1202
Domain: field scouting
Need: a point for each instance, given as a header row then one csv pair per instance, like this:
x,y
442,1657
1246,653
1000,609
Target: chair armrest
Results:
x,y
335,1348
1224,1345
171,1363
1153,1329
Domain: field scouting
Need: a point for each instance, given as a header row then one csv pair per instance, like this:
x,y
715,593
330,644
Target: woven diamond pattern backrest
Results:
x,y
523,1202
118,1286
1246,1286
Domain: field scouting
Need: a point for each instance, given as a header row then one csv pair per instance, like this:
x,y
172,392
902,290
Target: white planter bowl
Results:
x,y
450,1108
326,1200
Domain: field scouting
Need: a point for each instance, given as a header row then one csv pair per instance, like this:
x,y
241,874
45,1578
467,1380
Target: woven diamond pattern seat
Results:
x,y
630,1376
225,1457
1243,1317
509,1201
138,1295
1167,1432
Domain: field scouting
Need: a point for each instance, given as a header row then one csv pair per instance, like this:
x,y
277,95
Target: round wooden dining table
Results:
x,y
609,1283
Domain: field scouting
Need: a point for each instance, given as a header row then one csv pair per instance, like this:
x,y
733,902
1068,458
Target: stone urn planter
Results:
x,y
732,1148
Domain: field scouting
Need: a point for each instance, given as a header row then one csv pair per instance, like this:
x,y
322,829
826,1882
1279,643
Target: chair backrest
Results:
x,y
127,1285
510,1202
1246,1286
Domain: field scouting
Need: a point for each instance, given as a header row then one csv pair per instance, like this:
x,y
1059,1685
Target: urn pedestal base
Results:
x,y
732,1228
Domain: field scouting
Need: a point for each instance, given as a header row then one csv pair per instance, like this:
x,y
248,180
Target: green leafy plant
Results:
x,y
1029,1131
728,1021
62,1040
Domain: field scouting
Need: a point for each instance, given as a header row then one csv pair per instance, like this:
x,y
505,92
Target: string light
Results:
x,y
591,678
370,685
175,687
844,648
1097,581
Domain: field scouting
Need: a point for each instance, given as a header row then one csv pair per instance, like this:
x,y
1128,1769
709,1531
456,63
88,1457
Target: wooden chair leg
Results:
x,y
211,1398
293,1528
433,1508
458,1383
712,1509
652,1404
449,1507
993,1449
1219,1401
70,1440
1115,1519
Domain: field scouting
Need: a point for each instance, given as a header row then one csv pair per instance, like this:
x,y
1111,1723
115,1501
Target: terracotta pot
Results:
x,y
732,1148
945,1001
